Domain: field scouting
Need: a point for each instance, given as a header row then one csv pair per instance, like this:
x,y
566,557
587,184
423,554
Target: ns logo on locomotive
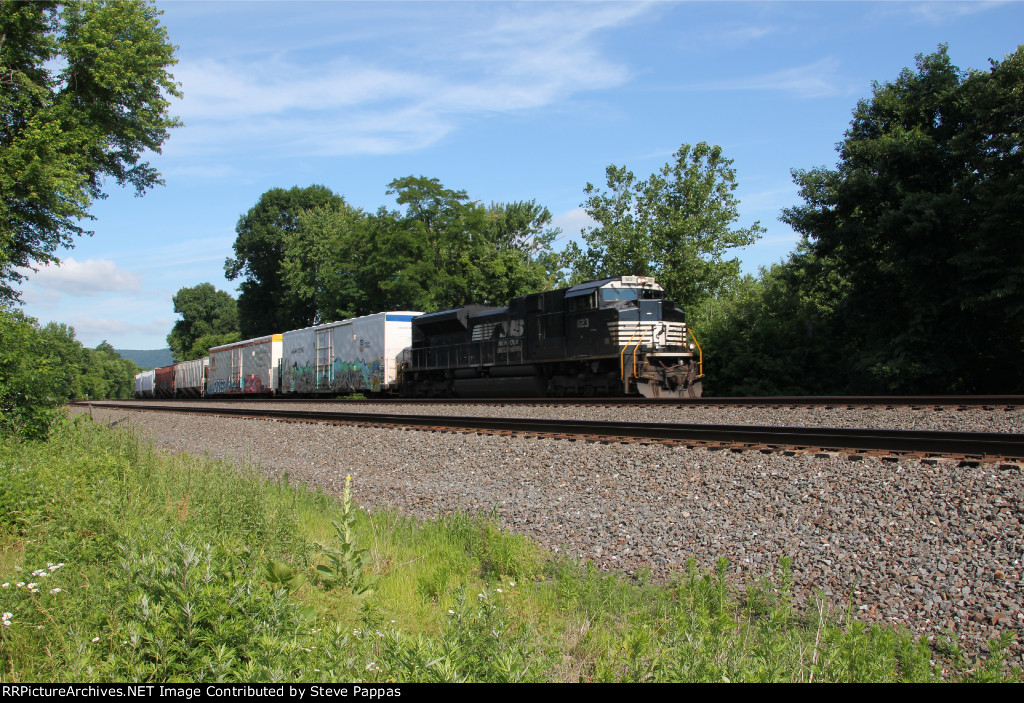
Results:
x,y
615,336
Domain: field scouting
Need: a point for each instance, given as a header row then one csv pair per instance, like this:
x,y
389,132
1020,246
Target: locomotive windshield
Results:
x,y
609,294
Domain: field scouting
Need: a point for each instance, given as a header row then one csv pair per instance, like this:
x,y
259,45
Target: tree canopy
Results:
x,y
677,226
923,219
264,306
310,257
209,317
42,368
84,90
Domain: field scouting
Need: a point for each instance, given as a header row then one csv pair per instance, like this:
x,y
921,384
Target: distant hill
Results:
x,y
147,358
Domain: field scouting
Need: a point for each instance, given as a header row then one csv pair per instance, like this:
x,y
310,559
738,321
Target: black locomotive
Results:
x,y
616,336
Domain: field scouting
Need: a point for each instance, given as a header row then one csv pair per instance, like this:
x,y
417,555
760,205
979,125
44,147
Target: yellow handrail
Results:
x,y
622,357
700,361
637,347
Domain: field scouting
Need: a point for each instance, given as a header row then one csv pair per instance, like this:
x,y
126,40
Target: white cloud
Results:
x,y
406,96
89,278
816,80
572,222
941,12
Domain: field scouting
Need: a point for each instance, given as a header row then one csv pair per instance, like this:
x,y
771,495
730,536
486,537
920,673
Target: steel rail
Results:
x,y
983,444
810,400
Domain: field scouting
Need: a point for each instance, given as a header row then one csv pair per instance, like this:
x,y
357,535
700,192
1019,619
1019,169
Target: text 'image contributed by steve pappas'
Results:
x,y
194,691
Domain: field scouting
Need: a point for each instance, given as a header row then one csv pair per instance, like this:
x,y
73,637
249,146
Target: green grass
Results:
x,y
186,569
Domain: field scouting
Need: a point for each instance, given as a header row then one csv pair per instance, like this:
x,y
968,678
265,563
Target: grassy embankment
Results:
x,y
117,564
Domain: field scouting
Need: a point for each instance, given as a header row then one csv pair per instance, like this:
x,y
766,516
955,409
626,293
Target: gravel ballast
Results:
x,y
948,418
930,546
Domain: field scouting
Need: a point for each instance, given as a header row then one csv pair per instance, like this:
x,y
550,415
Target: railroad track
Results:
x,y
883,401
965,446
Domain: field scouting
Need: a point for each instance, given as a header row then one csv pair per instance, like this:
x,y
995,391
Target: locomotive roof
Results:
x,y
590,286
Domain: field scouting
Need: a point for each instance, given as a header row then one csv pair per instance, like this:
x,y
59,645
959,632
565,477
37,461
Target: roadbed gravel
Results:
x,y
947,418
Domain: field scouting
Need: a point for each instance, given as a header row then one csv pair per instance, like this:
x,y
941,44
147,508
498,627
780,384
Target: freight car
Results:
x,y
252,366
615,336
348,356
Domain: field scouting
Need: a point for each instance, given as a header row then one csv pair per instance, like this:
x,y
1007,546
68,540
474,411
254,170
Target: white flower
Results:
x,y
54,590
95,639
512,584
6,585
451,612
499,590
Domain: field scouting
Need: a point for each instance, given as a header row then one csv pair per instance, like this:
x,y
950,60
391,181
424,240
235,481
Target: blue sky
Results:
x,y
508,101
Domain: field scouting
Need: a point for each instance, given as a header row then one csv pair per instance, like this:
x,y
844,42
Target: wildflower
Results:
x,y
451,612
499,590
33,585
512,584
54,590
20,584
6,585
95,639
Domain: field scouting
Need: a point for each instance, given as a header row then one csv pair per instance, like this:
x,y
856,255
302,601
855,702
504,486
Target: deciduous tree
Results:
x,y
84,92
678,225
924,218
207,314
264,304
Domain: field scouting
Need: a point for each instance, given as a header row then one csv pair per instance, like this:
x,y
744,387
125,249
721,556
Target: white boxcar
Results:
x,y
249,366
145,383
346,356
190,378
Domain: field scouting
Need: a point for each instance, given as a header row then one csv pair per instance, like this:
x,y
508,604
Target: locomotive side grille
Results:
x,y
484,331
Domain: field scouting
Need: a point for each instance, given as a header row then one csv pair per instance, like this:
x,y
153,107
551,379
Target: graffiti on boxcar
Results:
x,y
218,386
254,384
300,379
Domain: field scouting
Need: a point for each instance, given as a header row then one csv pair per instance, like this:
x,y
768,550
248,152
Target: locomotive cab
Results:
x,y
629,318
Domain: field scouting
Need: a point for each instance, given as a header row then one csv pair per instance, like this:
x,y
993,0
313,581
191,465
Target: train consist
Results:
x,y
615,336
